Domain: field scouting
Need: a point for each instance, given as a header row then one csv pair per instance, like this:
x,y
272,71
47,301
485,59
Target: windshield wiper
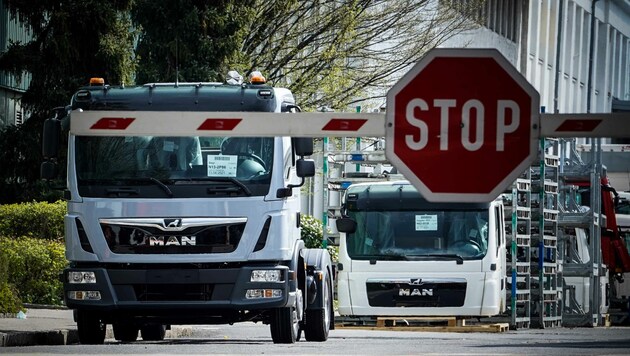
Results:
x,y
237,183
164,187
385,257
449,256
157,182
128,191
393,257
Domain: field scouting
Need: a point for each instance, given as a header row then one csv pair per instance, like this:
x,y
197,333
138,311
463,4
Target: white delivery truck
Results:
x,y
168,224
400,255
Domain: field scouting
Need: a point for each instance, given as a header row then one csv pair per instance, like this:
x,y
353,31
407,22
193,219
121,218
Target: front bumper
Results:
x,y
134,289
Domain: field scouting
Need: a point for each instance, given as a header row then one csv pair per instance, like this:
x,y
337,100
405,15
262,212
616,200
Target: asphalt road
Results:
x,y
248,338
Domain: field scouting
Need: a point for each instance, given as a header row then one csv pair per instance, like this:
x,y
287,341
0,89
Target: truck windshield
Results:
x,y
186,166
435,235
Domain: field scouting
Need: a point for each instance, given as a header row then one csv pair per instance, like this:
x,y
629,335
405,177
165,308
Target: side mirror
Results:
x,y
51,138
305,168
346,225
303,146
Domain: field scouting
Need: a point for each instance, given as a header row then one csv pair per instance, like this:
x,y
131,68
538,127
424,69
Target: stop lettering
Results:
x,y
471,121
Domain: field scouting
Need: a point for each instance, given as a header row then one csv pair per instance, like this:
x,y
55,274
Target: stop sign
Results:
x,y
462,125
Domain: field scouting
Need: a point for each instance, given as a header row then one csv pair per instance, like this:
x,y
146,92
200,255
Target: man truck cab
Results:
x,y
401,255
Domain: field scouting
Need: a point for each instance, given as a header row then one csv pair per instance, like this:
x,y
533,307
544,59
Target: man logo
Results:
x,y
172,223
172,240
422,292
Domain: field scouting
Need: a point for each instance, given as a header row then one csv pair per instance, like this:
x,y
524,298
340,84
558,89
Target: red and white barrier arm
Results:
x,y
317,124
585,125
186,123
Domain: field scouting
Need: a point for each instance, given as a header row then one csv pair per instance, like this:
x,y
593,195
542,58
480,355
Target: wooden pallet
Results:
x,y
435,324
451,321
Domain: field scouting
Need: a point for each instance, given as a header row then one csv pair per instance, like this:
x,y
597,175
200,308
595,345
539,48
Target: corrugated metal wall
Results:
x,y
611,77
12,30
10,87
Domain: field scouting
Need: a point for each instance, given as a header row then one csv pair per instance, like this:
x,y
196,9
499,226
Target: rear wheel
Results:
x,y
318,320
153,332
125,331
90,327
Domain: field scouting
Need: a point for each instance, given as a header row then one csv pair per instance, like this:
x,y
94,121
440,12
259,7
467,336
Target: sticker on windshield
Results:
x,y
169,146
426,222
222,165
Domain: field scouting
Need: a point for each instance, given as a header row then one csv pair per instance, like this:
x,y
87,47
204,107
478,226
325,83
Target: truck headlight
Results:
x,y
84,295
266,275
263,293
78,277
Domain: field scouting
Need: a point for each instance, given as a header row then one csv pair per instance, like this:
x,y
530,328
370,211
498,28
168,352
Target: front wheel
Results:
x,y
90,327
125,331
318,320
285,325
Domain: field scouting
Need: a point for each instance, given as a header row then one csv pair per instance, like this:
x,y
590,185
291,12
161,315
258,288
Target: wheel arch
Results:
x,y
318,262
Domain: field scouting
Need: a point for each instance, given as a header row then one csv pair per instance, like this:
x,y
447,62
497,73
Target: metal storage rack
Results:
x,y
578,216
517,206
546,267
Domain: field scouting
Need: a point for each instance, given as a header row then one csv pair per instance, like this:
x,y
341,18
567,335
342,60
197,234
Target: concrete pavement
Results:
x,y
40,327
45,325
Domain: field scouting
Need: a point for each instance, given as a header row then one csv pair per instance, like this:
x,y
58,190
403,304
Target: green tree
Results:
x,y
331,53
189,40
20,156
336,53
71,42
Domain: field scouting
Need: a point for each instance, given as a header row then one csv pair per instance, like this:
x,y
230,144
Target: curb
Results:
x,y
68,337
30,338
44,306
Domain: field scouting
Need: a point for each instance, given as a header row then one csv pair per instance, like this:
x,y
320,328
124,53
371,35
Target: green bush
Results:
x,y
9,301
33,268
312,231
31,254
37,219
313,235
333,251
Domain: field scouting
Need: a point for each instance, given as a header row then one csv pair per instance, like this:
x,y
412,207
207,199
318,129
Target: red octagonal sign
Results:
x,y
462,125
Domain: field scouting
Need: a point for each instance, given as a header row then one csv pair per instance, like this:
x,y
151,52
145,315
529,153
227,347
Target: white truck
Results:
x,y
400,255
169,223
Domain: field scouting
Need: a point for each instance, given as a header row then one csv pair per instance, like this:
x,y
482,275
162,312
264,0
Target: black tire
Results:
x,y
153,332
90,327
284,325
125,331
318,320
